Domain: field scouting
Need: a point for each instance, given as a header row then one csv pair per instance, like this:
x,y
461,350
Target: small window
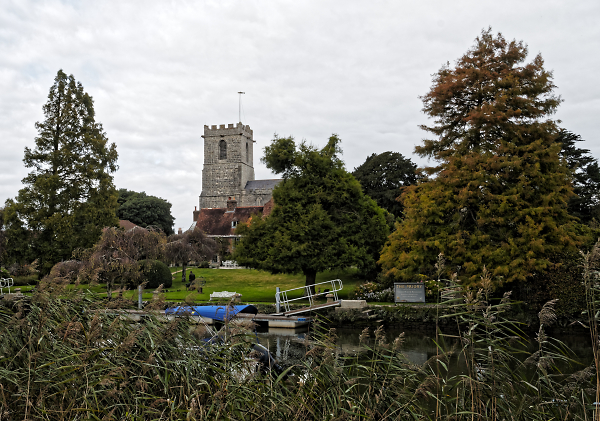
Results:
x,y
247,154
234,224
222,149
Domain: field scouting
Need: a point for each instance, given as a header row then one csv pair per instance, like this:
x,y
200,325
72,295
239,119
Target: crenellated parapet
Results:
x,y
231,130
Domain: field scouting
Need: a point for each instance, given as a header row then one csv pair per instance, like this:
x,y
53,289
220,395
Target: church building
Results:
x,y
230,194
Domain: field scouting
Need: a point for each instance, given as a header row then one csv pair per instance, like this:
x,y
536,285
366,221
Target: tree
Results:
x,y
382,176
69,196
499,196
17,238
321,218
586,177
2,238
145,211
189,246
115,257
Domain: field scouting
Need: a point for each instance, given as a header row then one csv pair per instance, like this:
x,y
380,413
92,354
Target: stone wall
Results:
x,y
257,197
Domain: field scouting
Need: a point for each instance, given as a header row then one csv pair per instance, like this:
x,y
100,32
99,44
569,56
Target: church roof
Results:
x,y
220,222
126,225
262,184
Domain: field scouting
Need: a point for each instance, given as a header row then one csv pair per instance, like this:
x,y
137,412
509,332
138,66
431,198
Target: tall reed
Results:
x,y
65,356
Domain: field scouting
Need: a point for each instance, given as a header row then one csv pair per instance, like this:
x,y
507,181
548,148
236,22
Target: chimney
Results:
x,y
231,204
179,231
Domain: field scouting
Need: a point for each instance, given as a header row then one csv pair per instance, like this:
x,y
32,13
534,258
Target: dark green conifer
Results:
x,y
321,218
69,194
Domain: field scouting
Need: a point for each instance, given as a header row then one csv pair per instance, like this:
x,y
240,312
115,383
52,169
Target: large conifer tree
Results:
x,y
498,196
321,219
69,195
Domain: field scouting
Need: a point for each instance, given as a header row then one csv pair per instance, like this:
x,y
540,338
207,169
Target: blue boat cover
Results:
x,y
220,313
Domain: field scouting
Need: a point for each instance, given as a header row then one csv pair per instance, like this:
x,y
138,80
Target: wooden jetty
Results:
x,y
272,321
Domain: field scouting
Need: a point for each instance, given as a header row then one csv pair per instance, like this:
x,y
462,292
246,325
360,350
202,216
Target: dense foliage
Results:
x,y
561,280
499,194
382,177
2,238
586,177
145,211
69,196
114,259
321,218
156,273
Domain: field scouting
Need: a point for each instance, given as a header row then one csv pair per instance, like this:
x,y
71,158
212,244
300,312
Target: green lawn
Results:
x,y
255,286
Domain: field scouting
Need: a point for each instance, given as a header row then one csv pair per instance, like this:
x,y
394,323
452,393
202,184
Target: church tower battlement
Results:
x,y
228,163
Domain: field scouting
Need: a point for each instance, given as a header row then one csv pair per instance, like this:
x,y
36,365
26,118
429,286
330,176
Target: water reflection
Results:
x,y
290,345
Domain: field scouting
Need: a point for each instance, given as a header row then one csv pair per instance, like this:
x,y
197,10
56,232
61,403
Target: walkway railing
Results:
x,y
6,283
281,297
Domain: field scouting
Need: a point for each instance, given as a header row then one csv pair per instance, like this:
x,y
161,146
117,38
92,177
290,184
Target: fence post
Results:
x,y
139,297
277,302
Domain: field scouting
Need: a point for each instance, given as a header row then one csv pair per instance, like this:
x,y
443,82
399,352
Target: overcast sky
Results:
x,y
159,70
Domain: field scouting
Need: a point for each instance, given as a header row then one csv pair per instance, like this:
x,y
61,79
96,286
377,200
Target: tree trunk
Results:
x,y
183,267
311,276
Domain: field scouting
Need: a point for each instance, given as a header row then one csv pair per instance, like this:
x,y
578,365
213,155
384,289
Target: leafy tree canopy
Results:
x,y
586,177
69,194
382,176
321,218
498,196
145,210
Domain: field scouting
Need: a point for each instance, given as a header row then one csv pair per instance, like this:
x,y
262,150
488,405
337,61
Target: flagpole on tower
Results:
x,y
240,106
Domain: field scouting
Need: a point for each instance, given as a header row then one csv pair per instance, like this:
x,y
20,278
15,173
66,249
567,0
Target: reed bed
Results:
x,y
62,357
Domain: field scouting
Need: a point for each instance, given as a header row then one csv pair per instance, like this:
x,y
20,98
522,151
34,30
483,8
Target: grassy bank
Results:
x,y
255,286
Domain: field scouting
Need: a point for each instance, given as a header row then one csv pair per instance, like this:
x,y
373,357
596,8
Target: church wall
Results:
x,y
258,197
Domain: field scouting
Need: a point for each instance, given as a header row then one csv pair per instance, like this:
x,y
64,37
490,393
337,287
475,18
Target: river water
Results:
x,y
289,345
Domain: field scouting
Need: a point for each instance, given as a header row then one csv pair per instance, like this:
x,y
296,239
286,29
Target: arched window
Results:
x,y
222,149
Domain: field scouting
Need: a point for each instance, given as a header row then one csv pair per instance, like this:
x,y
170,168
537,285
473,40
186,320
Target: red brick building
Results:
x,y
222,222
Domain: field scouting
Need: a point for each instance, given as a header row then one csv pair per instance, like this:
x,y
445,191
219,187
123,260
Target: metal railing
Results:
x,y
6,283
281,297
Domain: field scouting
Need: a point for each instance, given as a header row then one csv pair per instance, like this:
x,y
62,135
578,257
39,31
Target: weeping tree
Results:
x,y
190,246
115,258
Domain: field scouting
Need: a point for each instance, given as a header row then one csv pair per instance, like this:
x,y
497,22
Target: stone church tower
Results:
x,y
228,171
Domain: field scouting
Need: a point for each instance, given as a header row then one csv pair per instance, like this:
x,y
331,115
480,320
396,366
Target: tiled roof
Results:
x,y
262,184
217,221
126,225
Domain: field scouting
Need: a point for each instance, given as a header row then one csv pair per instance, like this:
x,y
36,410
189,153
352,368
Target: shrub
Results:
x,y
370,291
22,270
561,280
156,273
21,281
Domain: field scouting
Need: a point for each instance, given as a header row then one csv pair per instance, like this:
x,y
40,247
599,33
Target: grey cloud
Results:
x,y
159,71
